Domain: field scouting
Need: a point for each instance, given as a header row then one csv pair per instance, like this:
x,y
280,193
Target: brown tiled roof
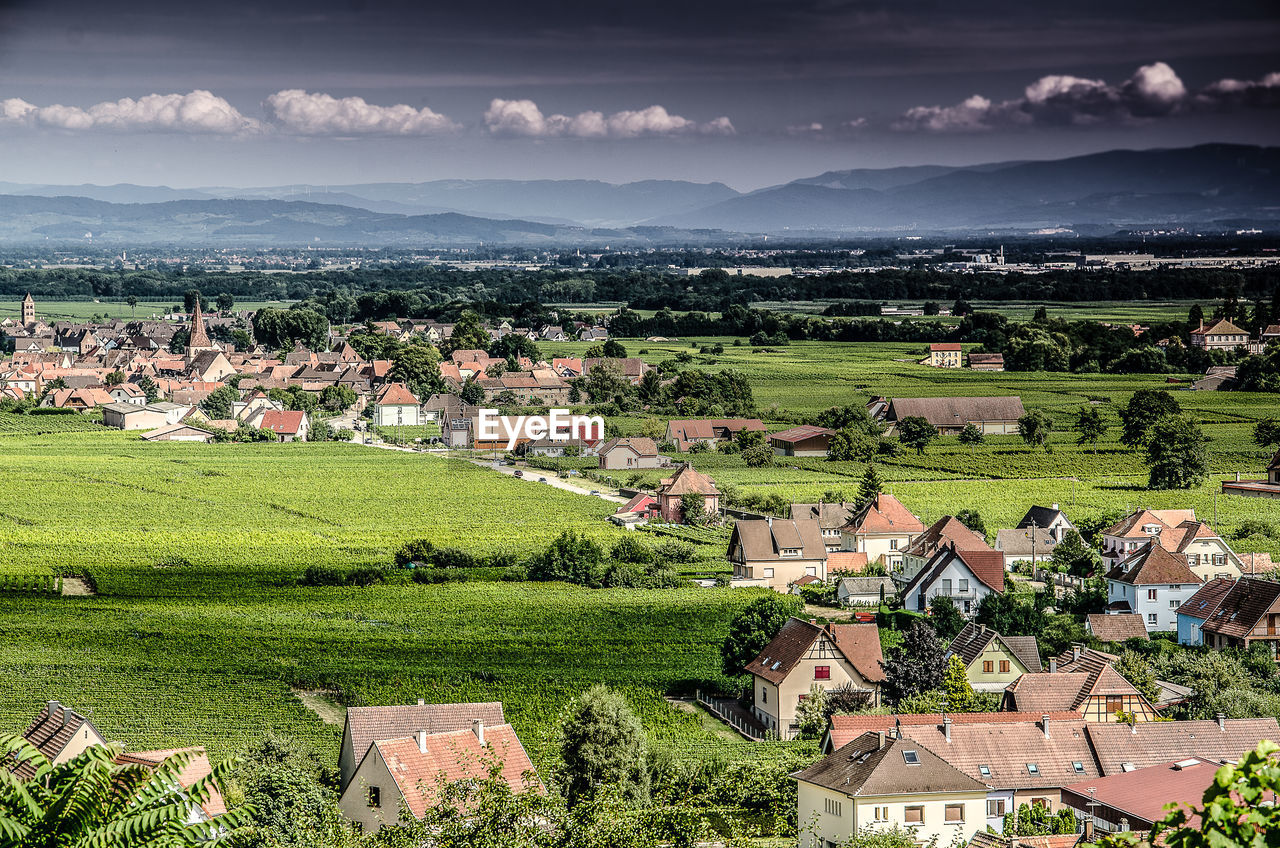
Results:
x,y
453,756
1221,327
864,768
50,731
844,728
1152,564
799,434
688,481
946,530
196,769
1124,528
1206,599
986,839
1117,628
957,411
1047,692
1243,607
1149,743
396,394
764,540
286,421
859,643
885,514
1256,563
640,445
973,639
847,562
1141,795
365,724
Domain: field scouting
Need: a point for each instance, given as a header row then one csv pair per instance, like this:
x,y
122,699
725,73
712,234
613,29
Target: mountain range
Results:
x,y
1230,185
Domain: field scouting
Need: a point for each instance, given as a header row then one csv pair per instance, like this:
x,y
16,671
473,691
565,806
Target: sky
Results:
x,y
749,93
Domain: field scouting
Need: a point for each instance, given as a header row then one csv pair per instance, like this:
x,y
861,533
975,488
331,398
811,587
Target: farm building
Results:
x,y
986,361
686,481
633,452
805,440
710,431
992,415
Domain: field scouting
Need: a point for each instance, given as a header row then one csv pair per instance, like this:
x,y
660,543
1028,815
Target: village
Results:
x,y
876,636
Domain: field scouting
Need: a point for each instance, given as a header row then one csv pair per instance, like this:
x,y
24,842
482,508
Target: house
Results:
x,y
641,507
943,355
775,552
196,769
128,416
1133,801
61,734
672,491
1120,748
364,725
1097,692
127,393
986,361
882,529
289,425
1025,545
631,453
631,368
945,531
400,777
805,440
991,415
833,656
882,782
686,432
830,517
209,366
1248,613
863,591
1194,611
1022,758
1116,627
1217,378
178,433
1048,518
1220,335
395,405
964,576
1153,583
1268,488
1178,531
993,661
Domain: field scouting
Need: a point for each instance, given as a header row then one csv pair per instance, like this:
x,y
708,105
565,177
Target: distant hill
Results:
x,y
1117,188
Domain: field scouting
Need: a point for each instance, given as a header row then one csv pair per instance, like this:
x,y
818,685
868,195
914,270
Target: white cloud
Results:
x,y
1153,91
197,112
523,117
303,113
805,129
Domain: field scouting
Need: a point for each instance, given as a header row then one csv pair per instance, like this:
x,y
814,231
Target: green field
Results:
x,y
80,310
1122,311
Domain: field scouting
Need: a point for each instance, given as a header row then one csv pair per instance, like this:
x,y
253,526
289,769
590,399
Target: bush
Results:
x,y
416,551
631,550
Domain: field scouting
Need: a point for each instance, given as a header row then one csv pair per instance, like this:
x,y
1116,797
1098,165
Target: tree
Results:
x,y
602,745
418,367
972,519
915,665
225,301
915,432
149,389
758,456
1195,317
179,341
1089,426
754,628
960,694
1134,668
468,334
1034,428
851,445
1033,348
869,487
283,328
971,435
473,394
218,404
613,349
133,304
1176,453
811,713
1072,556
1266,433
571,557
115,378
1145,408
337,398
945,618
693,508
90,800
190,298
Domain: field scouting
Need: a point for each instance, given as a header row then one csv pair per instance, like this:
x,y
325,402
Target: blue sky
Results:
x,y
749,93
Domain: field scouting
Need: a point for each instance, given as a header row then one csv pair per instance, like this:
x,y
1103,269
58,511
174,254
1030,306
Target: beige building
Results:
x,y
944,355
993,661
879,782
61,734
1220,335
631,453
776,553
396,406
883,530
803,654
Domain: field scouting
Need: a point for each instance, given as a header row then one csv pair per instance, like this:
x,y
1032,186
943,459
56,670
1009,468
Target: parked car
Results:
x,y
542,479
518,473
595,491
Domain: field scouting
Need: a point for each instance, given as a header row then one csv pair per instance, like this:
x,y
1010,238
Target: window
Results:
x,y
1004,666
995,808
790,552
1151,594
913,815
833,807
1115,703
768,572
764,695
1041,803
1219,559
1078,766
946,587
375,797
1193,559
821,672
984,770
1033,768
1174,604
811,570
893,544
954,813
911,758
881,814
964,584
1152,619
987,666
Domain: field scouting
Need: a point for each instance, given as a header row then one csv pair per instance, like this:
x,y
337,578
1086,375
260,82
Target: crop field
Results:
x,y
78,310
37,425
1121,311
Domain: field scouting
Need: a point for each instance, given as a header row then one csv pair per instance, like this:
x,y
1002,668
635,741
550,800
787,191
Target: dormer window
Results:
x,y
790,552
1151,529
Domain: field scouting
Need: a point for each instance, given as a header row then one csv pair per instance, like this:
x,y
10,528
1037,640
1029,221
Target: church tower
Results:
x,y
199,340
28,310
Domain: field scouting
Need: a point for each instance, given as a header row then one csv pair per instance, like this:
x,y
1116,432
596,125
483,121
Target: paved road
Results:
x,y
532,475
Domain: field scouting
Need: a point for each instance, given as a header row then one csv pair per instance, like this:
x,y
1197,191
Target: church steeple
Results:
x,y
199,340
28,310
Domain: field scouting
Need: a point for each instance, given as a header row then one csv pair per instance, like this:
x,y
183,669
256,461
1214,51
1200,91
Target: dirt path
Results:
x,y
322,704
75,586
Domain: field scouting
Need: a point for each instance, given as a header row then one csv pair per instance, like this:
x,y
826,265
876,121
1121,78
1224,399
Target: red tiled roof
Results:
x,y
1140,795
688,481
846,561
288,421
1118,627
196,769
943,531
799,434
885,514
365,724
1152,564
987,566
396,394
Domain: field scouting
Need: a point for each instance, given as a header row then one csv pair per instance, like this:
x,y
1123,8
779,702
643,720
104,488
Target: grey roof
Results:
x,y
974,639
864,768
830,516
1043,516
866,585
1018,542
764,540
957,411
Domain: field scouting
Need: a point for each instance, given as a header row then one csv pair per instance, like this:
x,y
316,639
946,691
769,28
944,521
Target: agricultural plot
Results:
x,y
79,310
39,425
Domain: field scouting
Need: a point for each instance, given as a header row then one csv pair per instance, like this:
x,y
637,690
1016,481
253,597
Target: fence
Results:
x,y
1062,581
728,712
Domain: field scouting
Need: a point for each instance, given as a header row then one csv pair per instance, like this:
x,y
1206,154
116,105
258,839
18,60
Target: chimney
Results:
x,y
1088,830
422,702
1076,650
946,727
477,727
1222,721
1053,665
53,707
1044,724
422,741
1056,507
879,740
